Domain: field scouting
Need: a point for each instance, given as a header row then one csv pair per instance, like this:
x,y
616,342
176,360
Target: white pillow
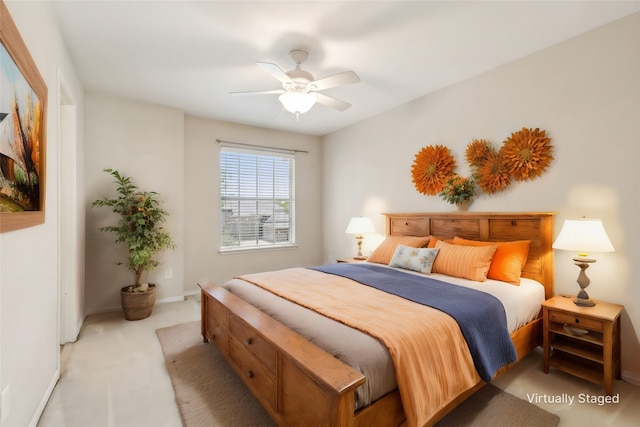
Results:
x,y
416,259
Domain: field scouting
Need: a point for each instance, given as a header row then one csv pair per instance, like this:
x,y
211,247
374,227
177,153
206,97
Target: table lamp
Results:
x,y
583,236
360,226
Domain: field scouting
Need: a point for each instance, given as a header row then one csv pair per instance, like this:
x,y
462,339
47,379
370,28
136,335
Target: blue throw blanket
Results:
x,y
481,316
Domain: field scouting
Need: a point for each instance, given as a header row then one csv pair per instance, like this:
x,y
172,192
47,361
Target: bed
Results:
x,y
299,383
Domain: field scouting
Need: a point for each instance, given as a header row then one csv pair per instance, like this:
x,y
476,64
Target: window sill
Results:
x,y
234,251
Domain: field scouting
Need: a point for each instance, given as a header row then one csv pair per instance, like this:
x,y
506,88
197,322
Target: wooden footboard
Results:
x,y
295,381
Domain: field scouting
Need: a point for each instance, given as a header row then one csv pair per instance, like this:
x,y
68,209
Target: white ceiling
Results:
x,y
191,54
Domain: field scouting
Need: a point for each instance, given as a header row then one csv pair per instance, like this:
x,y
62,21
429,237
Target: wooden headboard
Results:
x,y
496,227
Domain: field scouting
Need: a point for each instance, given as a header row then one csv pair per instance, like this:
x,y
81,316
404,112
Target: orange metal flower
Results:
x,y
527,153
478,151
431,168
493,175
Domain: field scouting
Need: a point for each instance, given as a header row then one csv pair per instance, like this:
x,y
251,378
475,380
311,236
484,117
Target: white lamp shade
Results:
x,y
360,226
583,236
297,102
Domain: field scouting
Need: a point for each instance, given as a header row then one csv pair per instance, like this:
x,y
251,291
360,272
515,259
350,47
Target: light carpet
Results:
x,y
209,393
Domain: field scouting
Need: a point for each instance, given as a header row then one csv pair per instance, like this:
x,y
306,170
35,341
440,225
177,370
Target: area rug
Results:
x,y
492,407
209,393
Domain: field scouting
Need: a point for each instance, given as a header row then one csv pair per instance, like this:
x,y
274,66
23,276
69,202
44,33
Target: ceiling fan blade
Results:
x,y
275,71
259,92
346,78
329,101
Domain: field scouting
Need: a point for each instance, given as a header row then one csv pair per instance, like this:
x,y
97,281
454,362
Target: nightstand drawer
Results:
x,y
575,320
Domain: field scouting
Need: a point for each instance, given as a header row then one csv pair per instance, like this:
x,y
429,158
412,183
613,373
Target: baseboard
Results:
x,y
194,292
79,327
171,299
43,402
119,307
631,378
104,310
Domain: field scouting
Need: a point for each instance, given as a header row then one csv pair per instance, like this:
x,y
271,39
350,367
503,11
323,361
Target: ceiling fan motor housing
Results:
x,y
300,77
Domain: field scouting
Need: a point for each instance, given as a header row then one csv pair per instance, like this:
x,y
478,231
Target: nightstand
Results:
x,y
582,341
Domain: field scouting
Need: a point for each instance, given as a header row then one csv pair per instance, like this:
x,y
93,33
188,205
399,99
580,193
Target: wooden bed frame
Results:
x,y
300,384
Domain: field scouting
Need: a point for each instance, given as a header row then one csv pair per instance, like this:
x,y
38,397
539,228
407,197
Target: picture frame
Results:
x,y
23,110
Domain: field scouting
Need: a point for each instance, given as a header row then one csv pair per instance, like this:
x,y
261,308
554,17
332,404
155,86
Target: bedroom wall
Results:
x,y
145,142
202,261
29,258
584,92
177,156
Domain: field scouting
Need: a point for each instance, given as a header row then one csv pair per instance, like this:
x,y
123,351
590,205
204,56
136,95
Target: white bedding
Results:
x,y
521,303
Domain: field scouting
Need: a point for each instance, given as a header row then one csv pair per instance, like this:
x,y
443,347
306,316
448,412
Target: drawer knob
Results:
x,y
577,320
249,374
248,341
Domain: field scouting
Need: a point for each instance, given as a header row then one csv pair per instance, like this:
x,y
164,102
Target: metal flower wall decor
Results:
x,y
523,156
527,153
431,168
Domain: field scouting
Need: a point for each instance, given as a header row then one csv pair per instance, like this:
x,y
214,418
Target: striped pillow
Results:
x,y
508,261
467,262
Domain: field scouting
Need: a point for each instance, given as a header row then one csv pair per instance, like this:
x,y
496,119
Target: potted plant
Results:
x,y
459,191
139,228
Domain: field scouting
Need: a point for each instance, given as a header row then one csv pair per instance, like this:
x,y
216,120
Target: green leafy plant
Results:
x,y
458,189
139,226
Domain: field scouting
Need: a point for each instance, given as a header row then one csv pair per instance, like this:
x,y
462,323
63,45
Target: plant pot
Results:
x,y
464,206
138,305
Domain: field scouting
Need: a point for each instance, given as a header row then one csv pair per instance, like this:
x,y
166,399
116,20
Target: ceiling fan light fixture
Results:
x,y
300,90
297,102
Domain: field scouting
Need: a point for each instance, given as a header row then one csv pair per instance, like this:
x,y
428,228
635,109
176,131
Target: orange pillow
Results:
x,y
383,253
468,262
434,240
508,261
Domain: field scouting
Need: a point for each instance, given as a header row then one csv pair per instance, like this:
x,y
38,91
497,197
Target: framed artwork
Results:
x,y
23,107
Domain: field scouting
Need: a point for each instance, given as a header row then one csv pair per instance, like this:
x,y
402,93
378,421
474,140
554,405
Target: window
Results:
x,y
257,199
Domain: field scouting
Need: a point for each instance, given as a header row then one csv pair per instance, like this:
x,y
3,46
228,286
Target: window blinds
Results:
x,y
256,198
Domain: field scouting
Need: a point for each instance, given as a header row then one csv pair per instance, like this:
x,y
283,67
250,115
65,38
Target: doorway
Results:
x,y
70,220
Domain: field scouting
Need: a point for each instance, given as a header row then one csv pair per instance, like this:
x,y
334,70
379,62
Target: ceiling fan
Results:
x,y
300,91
